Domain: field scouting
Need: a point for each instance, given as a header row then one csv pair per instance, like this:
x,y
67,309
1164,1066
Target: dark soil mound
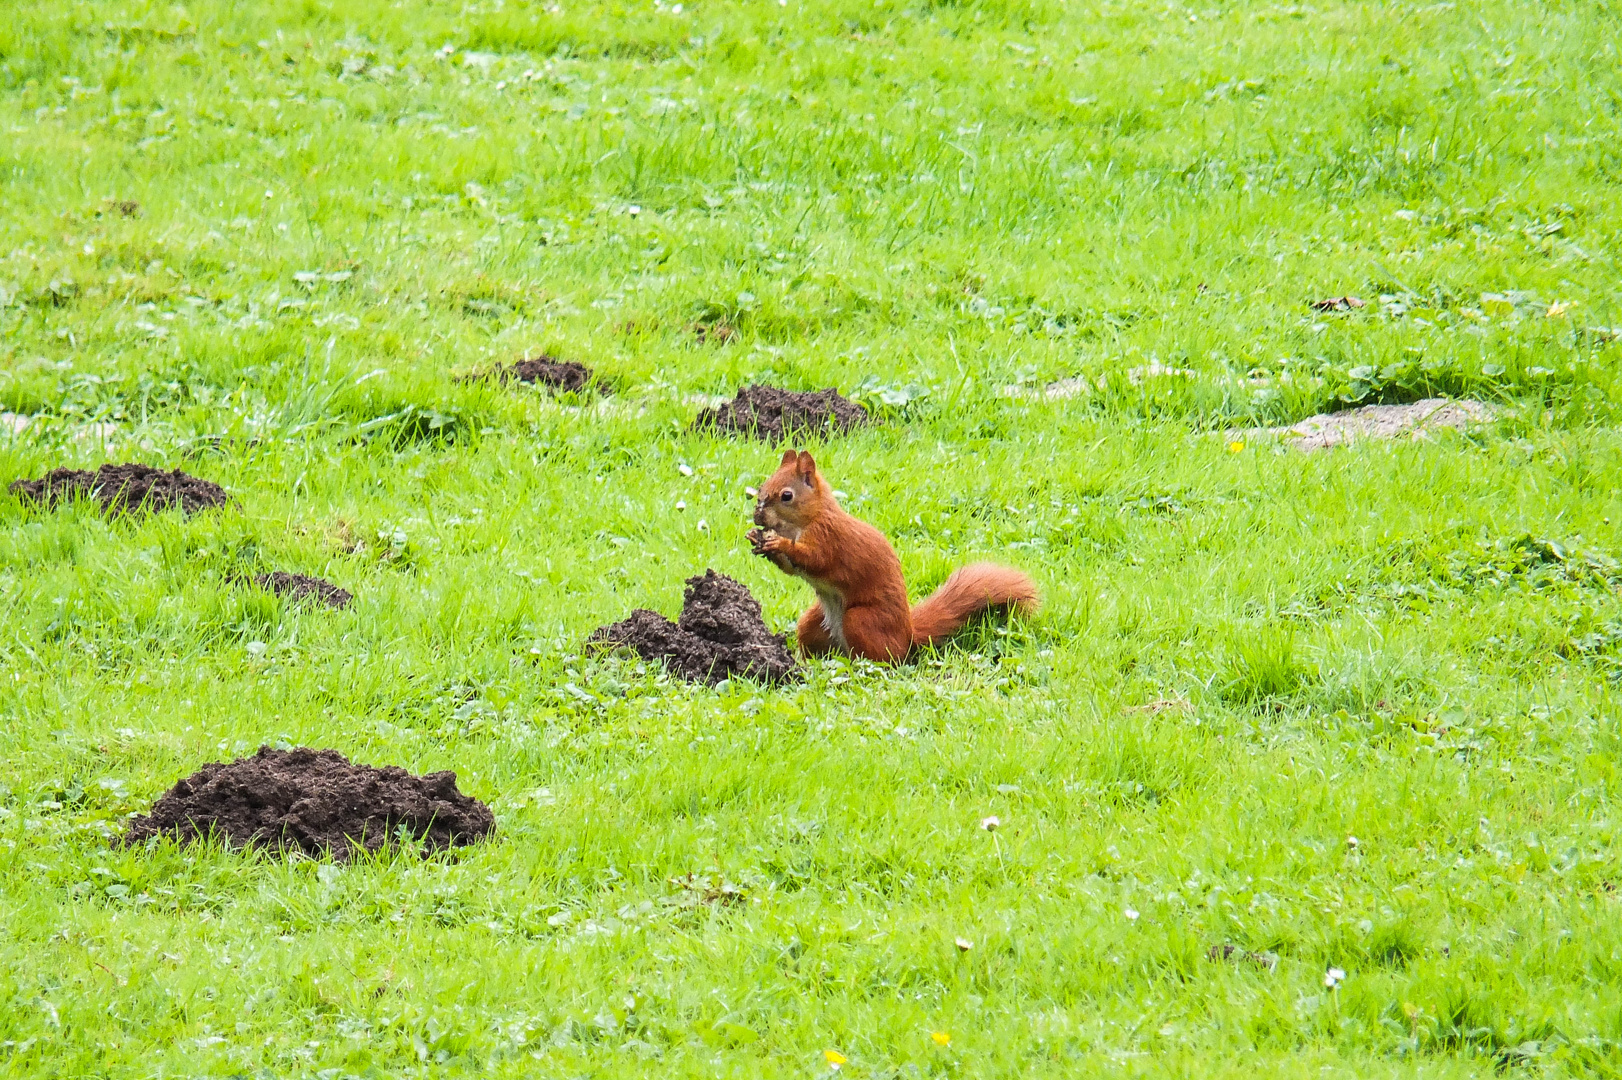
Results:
x,y
301,587
123,488
765,412
316,802
563,375
720,634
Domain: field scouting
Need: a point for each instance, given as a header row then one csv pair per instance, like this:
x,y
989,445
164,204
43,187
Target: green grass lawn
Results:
x,y
1357,710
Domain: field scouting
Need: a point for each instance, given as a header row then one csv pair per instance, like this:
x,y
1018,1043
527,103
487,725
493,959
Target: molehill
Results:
x,y
123,488
766,412
303,587
564,375
315,802
719,634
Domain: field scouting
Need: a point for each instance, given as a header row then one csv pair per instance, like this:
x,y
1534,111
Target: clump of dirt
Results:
x,y
316,802
719,634
1338,303
1412,421
302,587
766,412
563,375
124,488
718,333
1235,954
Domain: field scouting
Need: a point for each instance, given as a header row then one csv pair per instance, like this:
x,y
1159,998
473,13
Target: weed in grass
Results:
x,y
1262,667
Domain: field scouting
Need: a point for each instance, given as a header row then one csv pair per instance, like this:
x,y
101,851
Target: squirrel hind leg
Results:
x,y
812,632
875,635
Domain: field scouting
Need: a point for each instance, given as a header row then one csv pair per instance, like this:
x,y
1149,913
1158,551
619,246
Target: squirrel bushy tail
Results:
x,y
967,592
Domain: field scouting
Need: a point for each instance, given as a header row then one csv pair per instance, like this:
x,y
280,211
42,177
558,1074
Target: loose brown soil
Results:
x,y
315,802
123,488
301,587
720,634
563,375
766,412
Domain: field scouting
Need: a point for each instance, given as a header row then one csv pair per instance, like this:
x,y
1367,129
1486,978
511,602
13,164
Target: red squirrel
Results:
x,y
861,606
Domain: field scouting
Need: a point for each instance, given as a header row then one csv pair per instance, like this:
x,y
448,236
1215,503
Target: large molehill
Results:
x,y
720,633
123,488
766,412
316,802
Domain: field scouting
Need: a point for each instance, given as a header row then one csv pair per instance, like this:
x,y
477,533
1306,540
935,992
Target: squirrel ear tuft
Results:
x,y
807,467
789,457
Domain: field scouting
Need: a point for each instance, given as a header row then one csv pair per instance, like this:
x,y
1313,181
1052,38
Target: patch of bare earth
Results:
x,y
302,587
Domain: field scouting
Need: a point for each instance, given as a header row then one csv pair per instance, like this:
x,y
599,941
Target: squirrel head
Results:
x,y
793,496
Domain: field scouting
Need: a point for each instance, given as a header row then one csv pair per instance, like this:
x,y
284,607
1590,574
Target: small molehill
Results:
x,y
316,802
302,587
720,634
124,488
765,412
563,375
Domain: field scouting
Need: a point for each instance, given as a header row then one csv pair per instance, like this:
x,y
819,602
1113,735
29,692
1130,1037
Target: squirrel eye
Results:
x,y
788,496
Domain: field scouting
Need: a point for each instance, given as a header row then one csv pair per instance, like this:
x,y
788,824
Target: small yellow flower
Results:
x,y
1235,446
1558,309
942,1038
835,1058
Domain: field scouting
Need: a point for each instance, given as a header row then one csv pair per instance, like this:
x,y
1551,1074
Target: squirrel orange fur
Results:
x,y
861,606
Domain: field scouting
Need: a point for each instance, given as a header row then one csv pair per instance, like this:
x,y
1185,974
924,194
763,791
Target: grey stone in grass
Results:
x,y
1412,421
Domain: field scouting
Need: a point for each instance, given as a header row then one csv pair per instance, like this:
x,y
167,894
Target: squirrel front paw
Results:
x,y
773,544
761,540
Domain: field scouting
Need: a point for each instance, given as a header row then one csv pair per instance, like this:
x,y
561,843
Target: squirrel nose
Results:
x,y
760,515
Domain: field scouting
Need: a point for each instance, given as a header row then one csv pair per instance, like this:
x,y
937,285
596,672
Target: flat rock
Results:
x,y
1412,421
